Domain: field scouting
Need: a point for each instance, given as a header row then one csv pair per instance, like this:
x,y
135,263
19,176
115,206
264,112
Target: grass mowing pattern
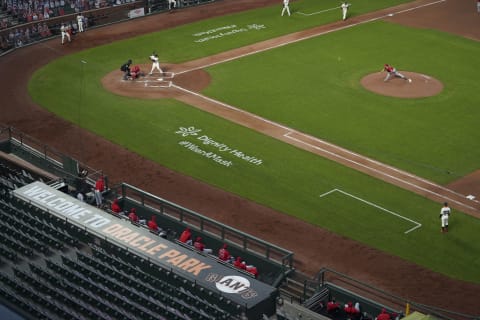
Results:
x,y
289,180
313,86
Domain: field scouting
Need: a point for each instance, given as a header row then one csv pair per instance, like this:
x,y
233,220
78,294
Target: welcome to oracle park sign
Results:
x,y
204,270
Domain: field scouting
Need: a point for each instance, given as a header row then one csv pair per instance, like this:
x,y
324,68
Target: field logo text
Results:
x,y
220,148
225,31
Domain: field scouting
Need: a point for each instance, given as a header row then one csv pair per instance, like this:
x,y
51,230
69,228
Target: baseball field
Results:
x,y
247,128
312,86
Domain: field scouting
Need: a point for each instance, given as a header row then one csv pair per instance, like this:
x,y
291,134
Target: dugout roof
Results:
x,y
207,272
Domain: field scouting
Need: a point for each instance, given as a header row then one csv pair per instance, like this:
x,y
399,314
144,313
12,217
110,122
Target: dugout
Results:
x,y
143,250
274,263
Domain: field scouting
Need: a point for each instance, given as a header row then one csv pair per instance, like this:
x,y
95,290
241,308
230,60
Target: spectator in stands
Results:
x,y
99,188
384,315
239,263
200,246
333,306
46,30
223,253
186,236
352,310
115,207
152,224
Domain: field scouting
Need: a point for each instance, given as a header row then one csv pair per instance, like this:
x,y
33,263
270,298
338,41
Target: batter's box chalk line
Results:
x,y
163,84
162,76
417,224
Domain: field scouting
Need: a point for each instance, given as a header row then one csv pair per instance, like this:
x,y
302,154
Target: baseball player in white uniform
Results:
x,y
155,63
80,22
344,7
286,7
444,214
172,4
65,33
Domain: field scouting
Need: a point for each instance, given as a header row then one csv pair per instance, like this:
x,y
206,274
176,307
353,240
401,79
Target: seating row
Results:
x,y
15,245
83,301
39,219
26,294
136,300
145,285
20,222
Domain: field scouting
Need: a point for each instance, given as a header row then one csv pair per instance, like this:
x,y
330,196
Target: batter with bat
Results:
x,y
155,63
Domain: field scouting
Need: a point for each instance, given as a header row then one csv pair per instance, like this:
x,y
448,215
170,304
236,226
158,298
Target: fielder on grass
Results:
x,y
444,214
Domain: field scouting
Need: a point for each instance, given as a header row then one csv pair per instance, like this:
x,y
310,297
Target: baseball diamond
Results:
x,y
188,95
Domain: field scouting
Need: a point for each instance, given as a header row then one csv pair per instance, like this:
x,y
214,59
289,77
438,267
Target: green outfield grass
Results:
x,y
314,86
309,89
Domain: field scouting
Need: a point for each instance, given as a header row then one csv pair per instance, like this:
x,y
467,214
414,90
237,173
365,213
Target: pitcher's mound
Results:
x,y
420,87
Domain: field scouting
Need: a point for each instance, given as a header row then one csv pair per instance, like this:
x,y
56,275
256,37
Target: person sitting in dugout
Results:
x,y
115,207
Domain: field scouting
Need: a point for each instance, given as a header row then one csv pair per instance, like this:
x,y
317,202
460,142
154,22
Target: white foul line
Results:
x,y
305,38
317,12
287,135
417,224
290,130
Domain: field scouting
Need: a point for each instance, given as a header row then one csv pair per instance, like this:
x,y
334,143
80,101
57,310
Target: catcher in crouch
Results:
x,y
155,63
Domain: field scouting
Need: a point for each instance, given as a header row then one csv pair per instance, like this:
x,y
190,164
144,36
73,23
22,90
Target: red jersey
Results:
x,y
152,224
115,207
389,68
223,254
133,217
198,244
331,306
100,185
185,236
239,263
